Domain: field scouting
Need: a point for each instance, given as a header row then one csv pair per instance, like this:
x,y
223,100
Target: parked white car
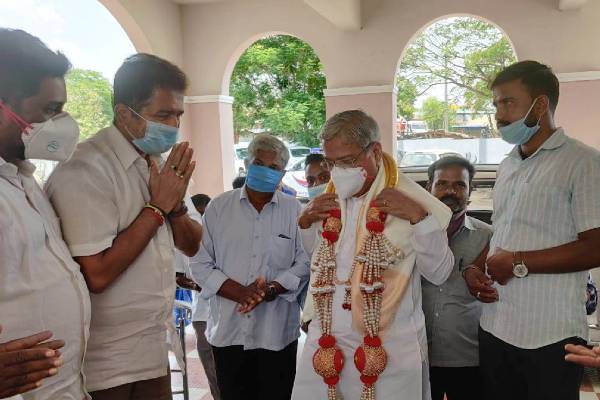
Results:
x,y
297,153
240,152
416,127
296,179
424,158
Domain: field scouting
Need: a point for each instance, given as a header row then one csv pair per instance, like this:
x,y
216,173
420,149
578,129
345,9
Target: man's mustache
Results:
x,y
449,198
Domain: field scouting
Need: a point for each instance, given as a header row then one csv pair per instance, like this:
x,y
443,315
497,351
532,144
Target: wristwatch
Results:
x,y
519,268
270,292
181,211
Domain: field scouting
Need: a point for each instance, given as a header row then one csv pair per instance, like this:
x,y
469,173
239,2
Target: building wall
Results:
x,y
206,39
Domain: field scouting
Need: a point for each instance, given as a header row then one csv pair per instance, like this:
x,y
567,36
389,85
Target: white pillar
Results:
x,y
208,126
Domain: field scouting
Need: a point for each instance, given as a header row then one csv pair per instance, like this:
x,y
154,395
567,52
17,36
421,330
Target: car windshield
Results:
x,y
481,199
417,159
300,152
299,166
241,153
478,143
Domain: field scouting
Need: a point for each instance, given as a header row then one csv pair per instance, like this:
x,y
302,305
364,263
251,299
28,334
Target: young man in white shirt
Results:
x,y
42,292
546,234
122,212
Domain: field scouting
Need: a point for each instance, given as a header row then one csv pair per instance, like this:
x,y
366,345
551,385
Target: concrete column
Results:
x,y
579,106
377,101
208,126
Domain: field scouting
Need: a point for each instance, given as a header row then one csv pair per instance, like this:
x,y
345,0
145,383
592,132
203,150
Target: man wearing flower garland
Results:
x,y
379,236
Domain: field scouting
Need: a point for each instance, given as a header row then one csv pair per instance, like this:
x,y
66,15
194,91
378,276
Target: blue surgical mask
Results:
x,y
518,132
316,191
263,179
158,138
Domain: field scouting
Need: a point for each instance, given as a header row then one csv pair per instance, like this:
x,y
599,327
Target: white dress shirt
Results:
x,y
41,287
541,202
98,193
405,341
243,245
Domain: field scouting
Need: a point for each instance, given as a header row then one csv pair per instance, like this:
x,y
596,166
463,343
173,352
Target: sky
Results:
x,y
82,29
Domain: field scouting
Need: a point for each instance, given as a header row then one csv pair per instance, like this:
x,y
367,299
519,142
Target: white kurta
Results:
x,y
406,375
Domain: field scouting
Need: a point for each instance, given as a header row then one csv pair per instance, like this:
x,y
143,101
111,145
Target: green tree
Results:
x,y
433,111
407,96
89,101
465,53
278,87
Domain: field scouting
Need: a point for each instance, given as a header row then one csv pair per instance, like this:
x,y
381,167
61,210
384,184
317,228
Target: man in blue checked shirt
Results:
x,y
254,271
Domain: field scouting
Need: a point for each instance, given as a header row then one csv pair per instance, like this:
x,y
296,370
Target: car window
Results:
x,y
299,166
481,198
299,152
417,159
241,153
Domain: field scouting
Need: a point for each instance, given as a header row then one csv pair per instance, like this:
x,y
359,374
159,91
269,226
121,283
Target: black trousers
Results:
x,y
457,383
255,374
513,373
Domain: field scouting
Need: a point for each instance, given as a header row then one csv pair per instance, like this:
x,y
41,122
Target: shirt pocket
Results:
x,y
281,252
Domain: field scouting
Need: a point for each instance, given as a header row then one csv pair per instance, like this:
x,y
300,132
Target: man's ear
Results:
x,y
378,151
428,186
121,112
542,106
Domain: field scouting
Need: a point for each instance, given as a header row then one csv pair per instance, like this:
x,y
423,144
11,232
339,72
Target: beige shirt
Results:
x,y
98,193
41,287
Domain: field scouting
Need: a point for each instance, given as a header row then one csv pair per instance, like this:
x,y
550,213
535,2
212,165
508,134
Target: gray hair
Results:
x,y
355,126
269,143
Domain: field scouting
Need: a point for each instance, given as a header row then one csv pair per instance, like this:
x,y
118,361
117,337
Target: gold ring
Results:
x,y
179,174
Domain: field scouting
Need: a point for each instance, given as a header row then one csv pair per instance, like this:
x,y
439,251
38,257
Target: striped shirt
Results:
x,y
541,202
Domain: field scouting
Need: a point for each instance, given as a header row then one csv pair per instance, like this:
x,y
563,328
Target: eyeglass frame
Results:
x,y
328,165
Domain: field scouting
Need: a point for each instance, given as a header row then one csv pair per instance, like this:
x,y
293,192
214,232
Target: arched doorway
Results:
x,y
277,87
444,102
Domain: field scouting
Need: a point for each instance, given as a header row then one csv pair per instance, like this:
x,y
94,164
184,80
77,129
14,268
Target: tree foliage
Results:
x,y
465,52
407,96
433,111
89,101
278,87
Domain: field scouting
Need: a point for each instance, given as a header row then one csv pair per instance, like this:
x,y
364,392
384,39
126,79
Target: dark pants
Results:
x,y
206,358
151,389
462,383
255,374
513,373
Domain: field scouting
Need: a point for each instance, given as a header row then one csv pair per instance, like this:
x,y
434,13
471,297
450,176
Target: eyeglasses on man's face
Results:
x,y
350,161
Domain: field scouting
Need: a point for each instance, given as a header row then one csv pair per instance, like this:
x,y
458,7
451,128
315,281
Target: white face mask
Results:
x,y
54,139
348,181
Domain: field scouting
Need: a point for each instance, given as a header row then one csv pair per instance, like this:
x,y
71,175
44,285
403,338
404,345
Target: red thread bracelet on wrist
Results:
x,y
156,213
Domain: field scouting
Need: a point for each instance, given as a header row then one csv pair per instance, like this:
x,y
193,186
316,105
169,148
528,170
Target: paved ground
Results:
x,y
590,389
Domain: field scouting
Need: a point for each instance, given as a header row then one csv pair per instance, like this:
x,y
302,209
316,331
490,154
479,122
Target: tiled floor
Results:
x,y
590,389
